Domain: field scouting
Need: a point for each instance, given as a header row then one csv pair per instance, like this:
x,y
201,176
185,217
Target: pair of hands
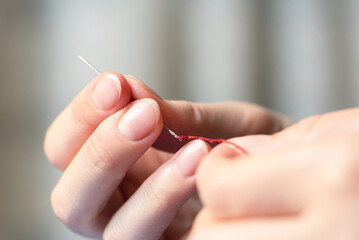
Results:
x,y
296,184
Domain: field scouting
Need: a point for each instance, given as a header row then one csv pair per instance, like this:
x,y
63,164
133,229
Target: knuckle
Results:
x,y
156,192
61,211
348,173
308,125
71,216
79,112
196,114
343,174
97,154
83,113
307,128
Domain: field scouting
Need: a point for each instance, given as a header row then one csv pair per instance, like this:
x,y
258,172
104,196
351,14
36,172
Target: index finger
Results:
x,y
105,95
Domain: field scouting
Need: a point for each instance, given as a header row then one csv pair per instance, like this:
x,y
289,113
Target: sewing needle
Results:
x,y
99,73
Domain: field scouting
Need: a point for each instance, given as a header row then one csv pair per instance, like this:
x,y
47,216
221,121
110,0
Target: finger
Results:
x,y
82,197
105,95
279,182
207,227
306,130
150,210
219,120
325,124
314,127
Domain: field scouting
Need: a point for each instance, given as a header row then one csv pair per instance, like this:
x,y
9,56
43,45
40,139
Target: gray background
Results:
x,y
299,57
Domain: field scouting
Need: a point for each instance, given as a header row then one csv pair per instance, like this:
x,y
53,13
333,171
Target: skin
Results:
x,y
120,172
300,183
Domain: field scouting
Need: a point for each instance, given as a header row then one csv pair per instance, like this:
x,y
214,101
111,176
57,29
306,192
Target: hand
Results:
x,y
301,183
115,185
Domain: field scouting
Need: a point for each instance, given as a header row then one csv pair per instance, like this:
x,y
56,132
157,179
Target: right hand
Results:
x,y
115,185
301,183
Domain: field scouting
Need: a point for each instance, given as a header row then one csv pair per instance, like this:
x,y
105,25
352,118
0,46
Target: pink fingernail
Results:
x,y
107,91
140,120
188,159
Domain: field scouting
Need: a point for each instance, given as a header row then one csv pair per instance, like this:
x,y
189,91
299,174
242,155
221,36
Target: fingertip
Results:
x,y
190,156
140,120
125,91
109,91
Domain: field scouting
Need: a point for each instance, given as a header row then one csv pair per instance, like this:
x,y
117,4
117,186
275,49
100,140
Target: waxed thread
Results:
x,y
210,140
213,140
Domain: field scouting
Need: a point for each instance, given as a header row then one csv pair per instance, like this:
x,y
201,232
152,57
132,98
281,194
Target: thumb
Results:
x,y
216,120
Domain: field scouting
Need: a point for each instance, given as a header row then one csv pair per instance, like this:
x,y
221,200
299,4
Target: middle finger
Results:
x,y
81,196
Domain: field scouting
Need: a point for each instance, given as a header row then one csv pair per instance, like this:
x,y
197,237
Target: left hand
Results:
x,y
115,184
302,183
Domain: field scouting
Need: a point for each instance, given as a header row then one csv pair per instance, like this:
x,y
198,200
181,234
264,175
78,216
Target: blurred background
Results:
x,y
299,57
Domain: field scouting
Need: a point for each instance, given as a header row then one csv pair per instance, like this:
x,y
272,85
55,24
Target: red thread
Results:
x,y
212,140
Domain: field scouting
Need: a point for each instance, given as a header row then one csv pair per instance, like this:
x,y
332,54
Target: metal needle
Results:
x,y
98,72
89,64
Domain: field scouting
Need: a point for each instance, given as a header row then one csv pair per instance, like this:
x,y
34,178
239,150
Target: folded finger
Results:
x,y
153,206
105,95
85,195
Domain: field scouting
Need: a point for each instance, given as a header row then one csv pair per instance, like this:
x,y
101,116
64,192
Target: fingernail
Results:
x,y
188,159
107,91
140,120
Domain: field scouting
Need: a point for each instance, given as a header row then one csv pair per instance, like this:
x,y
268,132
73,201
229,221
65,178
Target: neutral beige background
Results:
x,y
300,57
